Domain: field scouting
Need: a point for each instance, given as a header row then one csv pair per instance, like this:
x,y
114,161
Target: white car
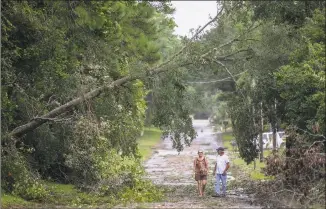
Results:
x,y
268,139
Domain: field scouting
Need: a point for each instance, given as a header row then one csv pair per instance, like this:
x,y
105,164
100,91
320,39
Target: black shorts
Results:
x,y
200,177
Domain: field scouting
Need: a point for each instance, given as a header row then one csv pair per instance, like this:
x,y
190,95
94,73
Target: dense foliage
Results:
x,y
260,61
265,61
265,57
55,51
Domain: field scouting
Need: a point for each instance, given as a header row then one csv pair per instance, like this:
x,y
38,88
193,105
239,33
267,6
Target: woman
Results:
x,y
201,168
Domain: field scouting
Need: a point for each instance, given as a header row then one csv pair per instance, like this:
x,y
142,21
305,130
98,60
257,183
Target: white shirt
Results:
x,y
221,162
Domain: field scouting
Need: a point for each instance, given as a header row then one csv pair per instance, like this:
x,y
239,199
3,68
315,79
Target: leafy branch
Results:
x,y
34,123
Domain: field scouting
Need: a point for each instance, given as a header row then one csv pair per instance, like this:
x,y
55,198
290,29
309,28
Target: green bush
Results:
x,y
142,191
104,170
18,179
31,189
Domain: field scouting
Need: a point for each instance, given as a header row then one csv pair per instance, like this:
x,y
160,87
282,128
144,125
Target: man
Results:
x,y
221,167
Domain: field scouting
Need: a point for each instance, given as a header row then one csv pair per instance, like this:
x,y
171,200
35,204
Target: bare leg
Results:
x,y
203,187
200,183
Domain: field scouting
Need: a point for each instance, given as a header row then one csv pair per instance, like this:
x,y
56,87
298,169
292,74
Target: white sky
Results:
x,y
192,14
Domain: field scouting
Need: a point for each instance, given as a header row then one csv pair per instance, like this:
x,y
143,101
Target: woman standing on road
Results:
x,y
200,169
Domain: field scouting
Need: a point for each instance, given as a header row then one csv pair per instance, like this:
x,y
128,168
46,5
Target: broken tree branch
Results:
x,y
223,58
236,39
231,75
34,123
52,119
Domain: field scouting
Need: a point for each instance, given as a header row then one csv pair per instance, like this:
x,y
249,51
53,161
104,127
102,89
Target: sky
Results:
x,y
192,14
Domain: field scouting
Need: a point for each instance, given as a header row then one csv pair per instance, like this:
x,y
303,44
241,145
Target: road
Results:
x,y
175,170
168,167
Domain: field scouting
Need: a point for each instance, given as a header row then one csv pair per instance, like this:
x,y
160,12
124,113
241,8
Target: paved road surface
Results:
x,y
168,167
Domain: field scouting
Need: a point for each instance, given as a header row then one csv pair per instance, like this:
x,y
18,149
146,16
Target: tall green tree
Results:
x,y
302,81
56,51
250,47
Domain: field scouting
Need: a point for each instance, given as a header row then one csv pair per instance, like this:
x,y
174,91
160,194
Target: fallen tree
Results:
x,y
38,121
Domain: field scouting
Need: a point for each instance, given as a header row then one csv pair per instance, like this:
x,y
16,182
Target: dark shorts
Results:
x,y
200,177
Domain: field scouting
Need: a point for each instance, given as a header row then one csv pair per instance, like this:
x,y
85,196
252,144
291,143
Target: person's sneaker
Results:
x,y
223,195
216,195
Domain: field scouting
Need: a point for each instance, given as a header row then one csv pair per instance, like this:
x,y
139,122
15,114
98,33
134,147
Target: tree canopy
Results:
x,y
81,79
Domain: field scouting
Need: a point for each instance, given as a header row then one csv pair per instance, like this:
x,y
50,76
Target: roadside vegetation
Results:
x,y
70,195
81,79
146,143
255,172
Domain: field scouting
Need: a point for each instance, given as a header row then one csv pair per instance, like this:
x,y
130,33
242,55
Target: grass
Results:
x,y
60,195
11,201
146,143
257,175
317,206
69,195
61,188
227,138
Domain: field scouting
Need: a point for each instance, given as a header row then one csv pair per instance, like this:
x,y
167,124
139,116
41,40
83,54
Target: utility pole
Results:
x,y
253,84
261,145
274,126
255,140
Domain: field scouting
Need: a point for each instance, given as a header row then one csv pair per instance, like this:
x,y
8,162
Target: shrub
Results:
x,y
299,172
17,177
104,170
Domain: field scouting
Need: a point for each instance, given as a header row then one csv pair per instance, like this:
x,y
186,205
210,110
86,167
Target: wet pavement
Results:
x,y
167,166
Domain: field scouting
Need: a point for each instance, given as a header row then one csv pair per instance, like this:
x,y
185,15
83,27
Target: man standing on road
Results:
x,y
221,167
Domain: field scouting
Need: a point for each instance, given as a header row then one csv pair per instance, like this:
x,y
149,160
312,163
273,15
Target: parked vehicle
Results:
x,y
268,139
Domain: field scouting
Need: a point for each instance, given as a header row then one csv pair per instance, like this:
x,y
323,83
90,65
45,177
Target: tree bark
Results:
x,y
255,142
274,137
261,145
36,122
